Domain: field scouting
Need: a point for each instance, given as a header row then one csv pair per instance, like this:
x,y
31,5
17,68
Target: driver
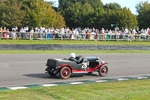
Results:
x,y
73,58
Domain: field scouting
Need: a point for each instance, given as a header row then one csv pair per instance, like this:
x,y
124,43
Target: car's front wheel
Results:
x,y
103,70
65,73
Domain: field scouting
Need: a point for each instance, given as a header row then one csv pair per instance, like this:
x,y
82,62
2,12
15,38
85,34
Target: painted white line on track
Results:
x,y
99,81
16,88
81,82
123,79
73,83
47,85
142,78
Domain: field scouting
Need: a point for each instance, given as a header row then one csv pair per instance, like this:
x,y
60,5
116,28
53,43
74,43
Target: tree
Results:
x,y
112,6
40,13
94,3
29,12
126,19
98,18
77,13
11,15
121,18
143,10
63,4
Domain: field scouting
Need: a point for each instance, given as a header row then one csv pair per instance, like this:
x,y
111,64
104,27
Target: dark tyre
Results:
x,y
65,73
52,74
103,70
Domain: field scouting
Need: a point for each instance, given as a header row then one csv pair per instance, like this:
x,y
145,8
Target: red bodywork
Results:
x,y
88,70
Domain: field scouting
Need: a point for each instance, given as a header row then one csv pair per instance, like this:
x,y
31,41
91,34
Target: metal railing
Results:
x,y
66,36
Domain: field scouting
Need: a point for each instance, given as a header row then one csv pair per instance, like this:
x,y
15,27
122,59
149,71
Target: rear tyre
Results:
x,y
52,74
65,73
103,70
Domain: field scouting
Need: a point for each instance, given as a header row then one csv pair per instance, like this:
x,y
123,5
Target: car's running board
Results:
x,y
80,72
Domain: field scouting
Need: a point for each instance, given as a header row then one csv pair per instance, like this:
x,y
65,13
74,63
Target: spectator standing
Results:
x,y
4,32
149,31
31,33
13,34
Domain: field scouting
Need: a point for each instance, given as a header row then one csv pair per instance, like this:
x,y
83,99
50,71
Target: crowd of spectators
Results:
x,y
74,33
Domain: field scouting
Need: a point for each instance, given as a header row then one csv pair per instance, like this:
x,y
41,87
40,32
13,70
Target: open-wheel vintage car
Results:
x,y
65,67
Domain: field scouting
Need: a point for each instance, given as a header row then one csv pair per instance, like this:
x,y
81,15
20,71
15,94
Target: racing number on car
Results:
x,y
84,66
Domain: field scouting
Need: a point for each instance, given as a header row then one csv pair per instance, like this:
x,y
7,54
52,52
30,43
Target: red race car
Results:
x,y
65,67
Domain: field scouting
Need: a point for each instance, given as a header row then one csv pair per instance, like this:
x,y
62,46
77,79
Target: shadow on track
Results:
x,y
47,76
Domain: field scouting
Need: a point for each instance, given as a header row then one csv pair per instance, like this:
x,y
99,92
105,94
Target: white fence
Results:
x,y
50,36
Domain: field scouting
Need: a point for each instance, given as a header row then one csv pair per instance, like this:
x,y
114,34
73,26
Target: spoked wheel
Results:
x,y
103,70
65,73
52,74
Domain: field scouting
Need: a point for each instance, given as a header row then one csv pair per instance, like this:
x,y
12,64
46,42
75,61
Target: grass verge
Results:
x,y
69,51
127,90
124,43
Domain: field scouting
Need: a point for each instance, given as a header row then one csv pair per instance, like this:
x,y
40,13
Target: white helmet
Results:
x,y
73,55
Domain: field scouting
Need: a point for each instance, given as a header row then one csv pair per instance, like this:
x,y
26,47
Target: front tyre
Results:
x,y
65,73
103,70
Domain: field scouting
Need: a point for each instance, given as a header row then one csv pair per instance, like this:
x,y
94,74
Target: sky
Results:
x,y
124,3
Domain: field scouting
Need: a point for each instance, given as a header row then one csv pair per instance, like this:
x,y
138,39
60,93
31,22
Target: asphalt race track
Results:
x,y
27,69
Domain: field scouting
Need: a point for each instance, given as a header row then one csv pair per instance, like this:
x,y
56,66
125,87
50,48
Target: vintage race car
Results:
x,y
65,67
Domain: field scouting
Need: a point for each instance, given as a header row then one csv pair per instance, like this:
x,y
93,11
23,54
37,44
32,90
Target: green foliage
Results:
x,y
143,10
11,15
94,3
112,6
78,13
126,19
105,43
121,17
29,12
89,13
73,13
125,90
64,4
98,18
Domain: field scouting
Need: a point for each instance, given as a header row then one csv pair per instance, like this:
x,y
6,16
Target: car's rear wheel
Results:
x,y
65,73
52,74
103,70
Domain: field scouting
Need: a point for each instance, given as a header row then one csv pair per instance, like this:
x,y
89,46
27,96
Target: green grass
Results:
x,y
70,51
127,90
72,42
141,43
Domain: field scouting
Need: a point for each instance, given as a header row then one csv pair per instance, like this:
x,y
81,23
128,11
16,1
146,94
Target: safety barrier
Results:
x,y
52,36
